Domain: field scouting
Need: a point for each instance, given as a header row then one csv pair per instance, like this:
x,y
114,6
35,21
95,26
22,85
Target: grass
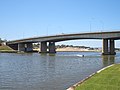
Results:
x,y
3,47
108,79
6,49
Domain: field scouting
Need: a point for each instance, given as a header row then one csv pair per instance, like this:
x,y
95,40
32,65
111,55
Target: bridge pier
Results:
x,y
105,47
112,47
21,47
52,47
108,47
29,47
43,47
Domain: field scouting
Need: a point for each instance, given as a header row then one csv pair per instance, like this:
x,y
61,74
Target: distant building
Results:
x,y
2,42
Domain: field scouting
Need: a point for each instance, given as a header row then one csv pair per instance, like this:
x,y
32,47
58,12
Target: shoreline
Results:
x,y
40,52
77,49
8,51
88,77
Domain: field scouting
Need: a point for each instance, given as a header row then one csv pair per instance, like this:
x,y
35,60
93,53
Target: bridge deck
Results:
x,y
63,37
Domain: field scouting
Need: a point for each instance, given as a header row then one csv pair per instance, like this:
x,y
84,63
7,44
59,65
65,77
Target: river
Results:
x,y
34,71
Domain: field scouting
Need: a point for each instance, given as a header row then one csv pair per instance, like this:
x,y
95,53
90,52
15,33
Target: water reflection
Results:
x,y
108,60
51,66
48,62
48,54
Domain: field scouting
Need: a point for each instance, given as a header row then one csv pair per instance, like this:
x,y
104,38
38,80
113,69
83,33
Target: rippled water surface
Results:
x,y
34,71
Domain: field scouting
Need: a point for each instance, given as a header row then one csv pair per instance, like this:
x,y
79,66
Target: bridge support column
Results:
x,y
29,47
52,47
105,47
21,47
108,49
112,47
43,47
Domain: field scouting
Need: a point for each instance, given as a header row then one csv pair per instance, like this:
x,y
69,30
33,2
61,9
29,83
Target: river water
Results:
x,y
33,71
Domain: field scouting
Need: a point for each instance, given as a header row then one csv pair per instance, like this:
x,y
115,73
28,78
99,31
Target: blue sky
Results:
x,y
29,18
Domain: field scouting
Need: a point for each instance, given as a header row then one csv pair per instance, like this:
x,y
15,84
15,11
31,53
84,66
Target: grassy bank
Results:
x,y
108,79
6,49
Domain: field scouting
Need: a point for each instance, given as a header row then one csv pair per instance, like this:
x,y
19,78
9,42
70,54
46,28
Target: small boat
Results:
x,y
80,55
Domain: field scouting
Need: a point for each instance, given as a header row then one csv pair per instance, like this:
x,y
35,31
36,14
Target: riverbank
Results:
x,y
74,49
6,49
105,79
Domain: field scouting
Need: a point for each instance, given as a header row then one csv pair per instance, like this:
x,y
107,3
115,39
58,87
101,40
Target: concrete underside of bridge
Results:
x,y
13,46
108,47
25,47
28,47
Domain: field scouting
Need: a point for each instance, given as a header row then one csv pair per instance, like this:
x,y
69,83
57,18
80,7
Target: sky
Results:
x,y
30,18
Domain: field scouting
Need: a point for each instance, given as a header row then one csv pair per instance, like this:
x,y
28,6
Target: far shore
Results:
x,y
72,49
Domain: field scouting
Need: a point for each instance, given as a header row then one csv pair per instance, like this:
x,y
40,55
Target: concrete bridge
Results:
x,y
26,44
